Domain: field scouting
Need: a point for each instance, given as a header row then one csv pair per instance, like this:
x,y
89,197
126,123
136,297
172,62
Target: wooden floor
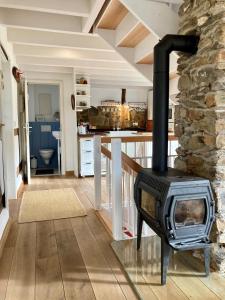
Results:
x,y
185,277
62,259
71,259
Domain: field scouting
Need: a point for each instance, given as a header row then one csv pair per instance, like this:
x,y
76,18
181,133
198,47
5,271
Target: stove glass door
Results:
x,y
190,212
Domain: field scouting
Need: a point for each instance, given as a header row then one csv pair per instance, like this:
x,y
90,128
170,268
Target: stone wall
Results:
x,y
200,115
109,117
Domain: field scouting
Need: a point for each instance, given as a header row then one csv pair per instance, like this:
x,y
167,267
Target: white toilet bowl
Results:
x,y
46,155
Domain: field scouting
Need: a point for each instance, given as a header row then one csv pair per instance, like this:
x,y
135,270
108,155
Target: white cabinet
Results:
x,y
86,154
86,157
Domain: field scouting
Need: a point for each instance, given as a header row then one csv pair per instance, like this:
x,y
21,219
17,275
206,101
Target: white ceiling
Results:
x,y
53,36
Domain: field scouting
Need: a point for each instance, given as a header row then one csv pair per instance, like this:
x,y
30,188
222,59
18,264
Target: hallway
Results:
x,y
62,259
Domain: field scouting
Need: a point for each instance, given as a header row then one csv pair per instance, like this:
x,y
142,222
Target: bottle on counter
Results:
x,y
83,128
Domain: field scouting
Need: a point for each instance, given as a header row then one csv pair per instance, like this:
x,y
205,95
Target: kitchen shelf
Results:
x,y
79,87
82,85
82,96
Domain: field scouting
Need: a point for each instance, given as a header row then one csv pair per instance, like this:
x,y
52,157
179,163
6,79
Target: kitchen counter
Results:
x,y
88,135
121,133
131,138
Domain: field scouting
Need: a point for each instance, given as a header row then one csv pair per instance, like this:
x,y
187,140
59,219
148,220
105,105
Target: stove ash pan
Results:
x,y
176,206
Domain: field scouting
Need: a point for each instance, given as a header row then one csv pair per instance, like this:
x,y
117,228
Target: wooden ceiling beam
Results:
x,y
34,20
79,8
83,64
46,69
55,52
55,39
94,73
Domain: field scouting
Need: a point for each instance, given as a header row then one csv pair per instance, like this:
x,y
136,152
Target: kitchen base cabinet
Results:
x,y
86,157
134,150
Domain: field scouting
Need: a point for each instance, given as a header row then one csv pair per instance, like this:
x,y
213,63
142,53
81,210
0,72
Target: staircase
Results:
x,y
133,28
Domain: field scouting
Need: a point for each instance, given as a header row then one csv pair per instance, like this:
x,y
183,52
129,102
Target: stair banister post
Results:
x,y
97,171
117,208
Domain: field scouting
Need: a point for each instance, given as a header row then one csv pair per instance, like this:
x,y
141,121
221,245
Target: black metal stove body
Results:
x,y
177,206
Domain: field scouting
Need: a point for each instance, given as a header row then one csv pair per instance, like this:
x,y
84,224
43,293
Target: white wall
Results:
x,y
10,119
173,86
68,122
34,90
150,104
99,94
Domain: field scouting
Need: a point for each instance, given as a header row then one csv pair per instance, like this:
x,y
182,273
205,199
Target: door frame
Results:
x,y
4,214
23,138
58,83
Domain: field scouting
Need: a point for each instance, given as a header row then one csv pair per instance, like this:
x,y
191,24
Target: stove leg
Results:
x,y
165,258
207,260
139,230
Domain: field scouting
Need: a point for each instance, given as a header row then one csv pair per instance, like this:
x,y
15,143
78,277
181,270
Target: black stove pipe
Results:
x,y
162,50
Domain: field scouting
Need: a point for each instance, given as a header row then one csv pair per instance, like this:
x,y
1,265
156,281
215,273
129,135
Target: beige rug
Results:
x,y
50,205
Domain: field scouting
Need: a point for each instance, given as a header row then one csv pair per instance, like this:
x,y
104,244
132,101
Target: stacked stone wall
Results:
x,y
200,115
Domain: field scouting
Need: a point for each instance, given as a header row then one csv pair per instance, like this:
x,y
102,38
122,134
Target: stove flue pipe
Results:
x,y
162,50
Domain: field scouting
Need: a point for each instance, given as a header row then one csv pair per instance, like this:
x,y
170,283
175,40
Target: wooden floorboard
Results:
x,y
198,290
21,283
101,276
104,243
48,273
71,259
5,267
104,240
214,282
76,281
12,237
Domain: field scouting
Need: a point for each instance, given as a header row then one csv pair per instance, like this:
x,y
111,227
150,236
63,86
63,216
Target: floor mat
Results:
x,y
50,205
44,171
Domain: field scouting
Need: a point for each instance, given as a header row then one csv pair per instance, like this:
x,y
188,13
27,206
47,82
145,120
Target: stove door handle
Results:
x,y
168,224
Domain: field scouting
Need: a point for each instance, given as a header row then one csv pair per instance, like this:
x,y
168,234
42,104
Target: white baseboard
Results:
x,y
4,218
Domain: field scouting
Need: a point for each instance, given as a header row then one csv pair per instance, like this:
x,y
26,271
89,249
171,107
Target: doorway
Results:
x,y
44,129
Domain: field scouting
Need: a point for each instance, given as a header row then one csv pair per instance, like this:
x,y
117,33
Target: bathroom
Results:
x,y
44,122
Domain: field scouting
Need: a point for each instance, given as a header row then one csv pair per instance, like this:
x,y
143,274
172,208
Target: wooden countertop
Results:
x,y
138,137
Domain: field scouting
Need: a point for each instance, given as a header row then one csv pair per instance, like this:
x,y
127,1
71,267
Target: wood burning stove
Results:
x,y
177,206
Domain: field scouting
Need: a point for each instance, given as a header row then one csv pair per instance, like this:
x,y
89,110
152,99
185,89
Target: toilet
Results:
x,y
46,155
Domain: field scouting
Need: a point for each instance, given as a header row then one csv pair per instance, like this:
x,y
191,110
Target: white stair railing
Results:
x,y
114,188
